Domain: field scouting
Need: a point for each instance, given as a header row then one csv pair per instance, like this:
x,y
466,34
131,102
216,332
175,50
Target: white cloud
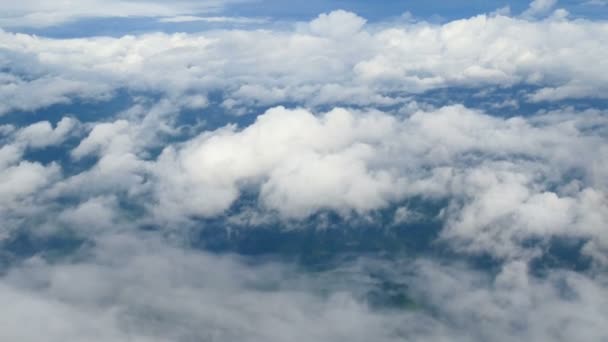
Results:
x,y
105,138
337,24
29,95
303,163
132,288
91,216
514,305
21,180
497,173
10,154
42,134
43,13
123,295
335,58
539,7
507,180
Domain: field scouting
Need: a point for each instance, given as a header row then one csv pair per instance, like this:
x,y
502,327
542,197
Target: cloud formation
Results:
x,y
148,141
498,173
314,63
142,290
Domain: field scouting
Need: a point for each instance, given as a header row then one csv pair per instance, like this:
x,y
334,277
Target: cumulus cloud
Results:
x,y
337,24
21,179
514,304
95,214
498,174
304,163
336,58
506,180
42,134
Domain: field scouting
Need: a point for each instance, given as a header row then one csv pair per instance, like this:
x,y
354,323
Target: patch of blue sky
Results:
x,y
448,10
116,27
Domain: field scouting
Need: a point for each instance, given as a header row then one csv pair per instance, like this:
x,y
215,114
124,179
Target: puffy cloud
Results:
x,y
117,153
9,154
95,214
505,210
23,179
42,134
29,95
498,174
338,24
335,58
506,180
514,304
105,138
302,162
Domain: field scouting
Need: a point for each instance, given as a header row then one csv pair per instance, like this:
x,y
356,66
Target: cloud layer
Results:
x,y
314,63
137,289
46,13
118,154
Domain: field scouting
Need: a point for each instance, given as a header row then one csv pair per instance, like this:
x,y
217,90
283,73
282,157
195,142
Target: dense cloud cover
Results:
x,y
139,173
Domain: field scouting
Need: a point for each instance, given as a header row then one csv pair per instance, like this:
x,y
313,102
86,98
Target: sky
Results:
x,y
242,170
